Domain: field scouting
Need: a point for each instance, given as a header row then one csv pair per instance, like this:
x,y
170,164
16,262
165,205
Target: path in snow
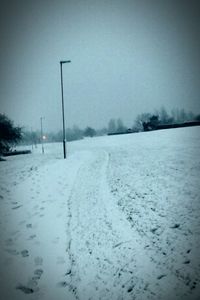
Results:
x,y
108,258
33,218
100,241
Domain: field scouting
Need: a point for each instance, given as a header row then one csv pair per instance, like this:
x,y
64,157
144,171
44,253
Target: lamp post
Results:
x,y
63,112
31,138
42,134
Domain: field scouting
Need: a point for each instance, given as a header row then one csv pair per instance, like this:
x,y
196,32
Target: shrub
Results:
x,y
9,134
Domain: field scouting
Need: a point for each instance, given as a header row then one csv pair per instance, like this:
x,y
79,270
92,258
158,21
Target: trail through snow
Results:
x,y
33,231
101,247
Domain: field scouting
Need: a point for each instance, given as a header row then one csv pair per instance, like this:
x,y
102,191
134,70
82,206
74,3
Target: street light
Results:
x,y
63,113
42,134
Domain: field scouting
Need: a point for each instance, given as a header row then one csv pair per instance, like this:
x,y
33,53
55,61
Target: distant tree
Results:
x,y
164,117
35,138
58,136
120,126
135,128
197,118
140,119
152,123
30,138
174,115
77,132
74,133
102,131
180,115
112,127
90,132
9,134
147,121
191,116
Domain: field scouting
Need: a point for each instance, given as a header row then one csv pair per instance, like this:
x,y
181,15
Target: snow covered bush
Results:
x,y
9,134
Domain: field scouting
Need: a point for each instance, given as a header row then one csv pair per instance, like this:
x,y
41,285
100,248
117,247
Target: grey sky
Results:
x,y
128,57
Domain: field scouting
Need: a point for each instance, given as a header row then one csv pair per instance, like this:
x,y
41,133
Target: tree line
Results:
x,y
160,116
10,135
72,134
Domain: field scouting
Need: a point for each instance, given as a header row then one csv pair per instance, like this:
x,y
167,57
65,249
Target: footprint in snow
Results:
x,y
62,284
25,289
12,251
24,253
68,272
29,225
193,285
16,207
38,272
175,226
187,261
32,283
161,276
130,289
31,237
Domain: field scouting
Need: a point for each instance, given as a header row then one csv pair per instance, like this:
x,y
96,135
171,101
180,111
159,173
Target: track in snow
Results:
x,y
108,259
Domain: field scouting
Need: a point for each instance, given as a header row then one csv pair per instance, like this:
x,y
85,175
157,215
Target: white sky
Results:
x,y
128,57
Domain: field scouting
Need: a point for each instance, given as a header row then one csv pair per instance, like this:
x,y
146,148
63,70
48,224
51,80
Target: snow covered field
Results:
x,y
119,219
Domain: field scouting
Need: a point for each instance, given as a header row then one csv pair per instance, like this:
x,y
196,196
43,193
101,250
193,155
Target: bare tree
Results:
x,y
112,127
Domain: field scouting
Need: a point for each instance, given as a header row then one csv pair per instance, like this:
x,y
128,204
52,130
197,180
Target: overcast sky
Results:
x,y
128,57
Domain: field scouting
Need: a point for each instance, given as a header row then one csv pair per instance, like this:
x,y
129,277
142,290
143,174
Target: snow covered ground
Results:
x,y
119,219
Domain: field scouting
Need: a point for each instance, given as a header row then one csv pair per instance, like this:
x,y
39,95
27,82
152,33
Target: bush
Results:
x,y
89,132
9,134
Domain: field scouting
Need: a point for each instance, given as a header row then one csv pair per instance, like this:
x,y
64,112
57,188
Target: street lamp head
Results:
x,y
65,61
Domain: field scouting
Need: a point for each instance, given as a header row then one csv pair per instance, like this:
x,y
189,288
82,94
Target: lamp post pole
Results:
x,y
42,135
31,138
63,111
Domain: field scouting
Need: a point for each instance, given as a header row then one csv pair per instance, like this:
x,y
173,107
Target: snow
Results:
x,y
118,219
